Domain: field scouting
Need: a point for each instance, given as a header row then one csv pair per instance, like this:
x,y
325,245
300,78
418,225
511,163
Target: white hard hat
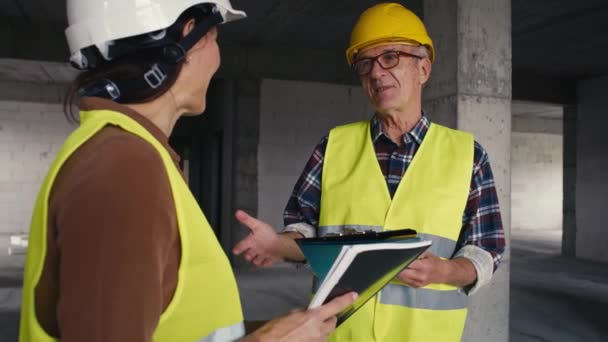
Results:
x,y
100,22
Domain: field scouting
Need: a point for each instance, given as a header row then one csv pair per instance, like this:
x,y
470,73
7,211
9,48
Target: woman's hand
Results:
x,y
310,325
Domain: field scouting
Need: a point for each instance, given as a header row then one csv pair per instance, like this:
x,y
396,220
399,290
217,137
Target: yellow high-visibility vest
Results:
x,y
430,198
205,305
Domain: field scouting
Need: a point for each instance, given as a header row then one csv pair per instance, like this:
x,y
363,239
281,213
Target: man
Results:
x,y
397,171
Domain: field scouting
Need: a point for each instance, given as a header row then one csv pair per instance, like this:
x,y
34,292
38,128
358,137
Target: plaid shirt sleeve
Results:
x,y
482,223
305,201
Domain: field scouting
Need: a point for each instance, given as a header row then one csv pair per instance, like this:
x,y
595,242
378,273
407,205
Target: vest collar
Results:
x,y
98,103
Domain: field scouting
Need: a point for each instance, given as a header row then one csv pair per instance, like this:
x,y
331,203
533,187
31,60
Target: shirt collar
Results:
x,y
415,134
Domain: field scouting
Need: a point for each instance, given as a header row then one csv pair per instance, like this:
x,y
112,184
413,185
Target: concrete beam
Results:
x,y
33,41
34,81
31,71
525,124
285,62
238,61
31,92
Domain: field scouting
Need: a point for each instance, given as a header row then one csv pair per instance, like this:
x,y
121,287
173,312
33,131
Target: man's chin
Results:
x,y
384,106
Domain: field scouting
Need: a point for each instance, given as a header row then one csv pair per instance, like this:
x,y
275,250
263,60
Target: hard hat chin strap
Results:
x,y
129,90
173,53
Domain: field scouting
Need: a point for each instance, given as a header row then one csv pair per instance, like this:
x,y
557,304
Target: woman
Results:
x,y
119,249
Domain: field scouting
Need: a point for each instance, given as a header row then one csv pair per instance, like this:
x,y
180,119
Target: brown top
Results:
x,y
113,246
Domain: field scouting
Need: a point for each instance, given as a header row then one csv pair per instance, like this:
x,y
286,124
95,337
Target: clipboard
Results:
x,y
362,262
320,252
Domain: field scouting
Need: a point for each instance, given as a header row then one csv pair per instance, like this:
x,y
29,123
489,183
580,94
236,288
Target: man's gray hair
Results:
x,y
423,51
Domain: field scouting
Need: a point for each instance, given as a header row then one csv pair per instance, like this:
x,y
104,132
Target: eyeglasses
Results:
x,y
386,60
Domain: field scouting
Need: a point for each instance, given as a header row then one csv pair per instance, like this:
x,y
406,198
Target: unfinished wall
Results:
x,y
536,174
294,117
32,127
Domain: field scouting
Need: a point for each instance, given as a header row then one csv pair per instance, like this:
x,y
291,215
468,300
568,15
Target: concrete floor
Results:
x,y
552,298
555,298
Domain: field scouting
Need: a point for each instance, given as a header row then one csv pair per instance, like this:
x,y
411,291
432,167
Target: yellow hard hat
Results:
x,y
385,23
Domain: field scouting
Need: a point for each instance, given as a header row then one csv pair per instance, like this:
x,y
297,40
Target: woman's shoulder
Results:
x,y
110,154
113,146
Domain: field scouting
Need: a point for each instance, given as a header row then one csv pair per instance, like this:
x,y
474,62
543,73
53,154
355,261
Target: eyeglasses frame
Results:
x,y
376,59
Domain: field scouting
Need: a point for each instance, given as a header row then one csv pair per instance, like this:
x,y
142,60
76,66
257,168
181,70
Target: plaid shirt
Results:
x,y
482,224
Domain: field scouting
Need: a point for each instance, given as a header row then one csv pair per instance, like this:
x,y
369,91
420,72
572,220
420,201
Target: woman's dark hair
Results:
x,y
133,66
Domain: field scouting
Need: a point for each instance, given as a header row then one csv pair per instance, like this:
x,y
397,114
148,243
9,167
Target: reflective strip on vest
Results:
x,y
231,333
441,247
407,296
423,298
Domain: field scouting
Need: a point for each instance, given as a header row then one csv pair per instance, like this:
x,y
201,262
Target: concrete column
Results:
x,y
569,187
591,166
470,89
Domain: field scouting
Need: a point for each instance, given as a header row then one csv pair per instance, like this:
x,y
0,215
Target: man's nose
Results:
x,y
376,70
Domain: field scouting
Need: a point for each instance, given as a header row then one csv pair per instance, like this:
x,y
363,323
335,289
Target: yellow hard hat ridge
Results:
x,y
387,23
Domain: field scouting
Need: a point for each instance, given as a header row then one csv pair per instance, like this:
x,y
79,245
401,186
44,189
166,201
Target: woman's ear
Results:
x,y
188,27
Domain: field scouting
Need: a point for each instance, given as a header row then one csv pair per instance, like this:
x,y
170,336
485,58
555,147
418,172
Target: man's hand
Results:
x,y
427,269
431,269
262,246
303,326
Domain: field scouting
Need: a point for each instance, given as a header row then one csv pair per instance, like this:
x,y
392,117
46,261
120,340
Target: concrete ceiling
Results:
x,y
552,39
560,38
318,24
33,11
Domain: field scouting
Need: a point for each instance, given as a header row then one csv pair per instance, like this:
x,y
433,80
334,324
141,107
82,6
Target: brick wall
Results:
x,y
30,135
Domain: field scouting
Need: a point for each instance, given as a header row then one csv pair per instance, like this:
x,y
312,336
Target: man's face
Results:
x,y
399,87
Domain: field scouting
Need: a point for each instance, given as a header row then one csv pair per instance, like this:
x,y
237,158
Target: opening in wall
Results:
x,y
537,176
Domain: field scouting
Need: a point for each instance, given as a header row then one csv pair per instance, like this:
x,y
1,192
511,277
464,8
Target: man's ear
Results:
x,y
424,69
